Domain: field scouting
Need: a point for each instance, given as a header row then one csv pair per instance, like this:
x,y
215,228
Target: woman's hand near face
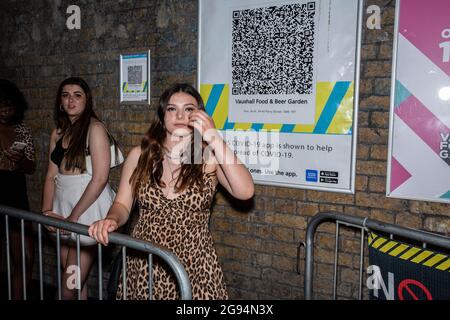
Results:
x,y
204,124
232,173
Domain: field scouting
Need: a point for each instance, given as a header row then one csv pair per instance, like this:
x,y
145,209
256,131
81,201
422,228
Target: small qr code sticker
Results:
x,y
272,50
134,75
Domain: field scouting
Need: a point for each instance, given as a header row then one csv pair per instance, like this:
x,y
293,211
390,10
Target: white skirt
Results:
x,y
68,191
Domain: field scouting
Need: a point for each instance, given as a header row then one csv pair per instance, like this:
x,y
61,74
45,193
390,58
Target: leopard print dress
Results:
x,y
180,225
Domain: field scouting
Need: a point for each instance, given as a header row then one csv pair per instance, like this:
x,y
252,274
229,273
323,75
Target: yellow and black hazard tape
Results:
x,y
410,253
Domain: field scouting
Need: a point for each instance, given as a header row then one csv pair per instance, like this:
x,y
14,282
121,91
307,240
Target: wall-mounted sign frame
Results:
x,y
419,130
281,81
135,78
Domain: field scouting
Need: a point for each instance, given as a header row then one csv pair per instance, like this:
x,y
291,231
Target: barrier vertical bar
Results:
x,y
41,273
336,253
78,268
58,259
8,257
100,272
24,266
124,272
150,276
361,264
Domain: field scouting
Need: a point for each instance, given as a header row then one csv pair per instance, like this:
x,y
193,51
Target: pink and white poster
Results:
x,y
419,144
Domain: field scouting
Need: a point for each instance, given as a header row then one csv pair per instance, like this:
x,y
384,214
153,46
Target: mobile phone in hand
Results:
x,y
18,146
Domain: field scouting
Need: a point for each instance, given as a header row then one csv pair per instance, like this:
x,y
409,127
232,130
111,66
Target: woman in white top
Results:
x,y
69,192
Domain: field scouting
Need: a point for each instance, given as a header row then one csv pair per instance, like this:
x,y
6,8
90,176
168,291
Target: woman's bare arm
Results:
x,y
99,149
119,212
52,171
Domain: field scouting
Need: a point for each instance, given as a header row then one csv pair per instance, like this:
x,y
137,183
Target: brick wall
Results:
x,y
256,243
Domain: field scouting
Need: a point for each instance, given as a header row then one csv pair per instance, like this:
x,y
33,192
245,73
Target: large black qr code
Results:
x,y
272,50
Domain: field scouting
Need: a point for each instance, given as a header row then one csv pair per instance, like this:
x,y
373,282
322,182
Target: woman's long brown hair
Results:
x,y
76,132
150,163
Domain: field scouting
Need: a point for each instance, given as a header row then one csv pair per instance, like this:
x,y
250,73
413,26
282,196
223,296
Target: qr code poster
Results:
x,y
134,78
288,67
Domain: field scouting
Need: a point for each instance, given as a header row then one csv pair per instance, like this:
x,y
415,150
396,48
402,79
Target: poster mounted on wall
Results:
x,y
280,79
135,78
419,141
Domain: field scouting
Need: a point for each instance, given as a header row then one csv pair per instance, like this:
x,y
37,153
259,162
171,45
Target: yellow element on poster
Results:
x,y
323,90
242,126
341,124
343,119
272,127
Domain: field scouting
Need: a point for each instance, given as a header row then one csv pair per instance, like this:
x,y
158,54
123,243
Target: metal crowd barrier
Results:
x,y
364,224
115,238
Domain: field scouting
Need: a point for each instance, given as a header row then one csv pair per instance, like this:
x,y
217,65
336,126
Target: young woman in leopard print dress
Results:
x,y
173,176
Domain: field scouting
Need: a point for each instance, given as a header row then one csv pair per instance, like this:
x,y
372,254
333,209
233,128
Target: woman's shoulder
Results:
x,y
97,129
56,134
96,124
22,127
23,131
135,152
132,158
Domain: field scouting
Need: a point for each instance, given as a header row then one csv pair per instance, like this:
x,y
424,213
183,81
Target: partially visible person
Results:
x,y
16,160
173,176
70,191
